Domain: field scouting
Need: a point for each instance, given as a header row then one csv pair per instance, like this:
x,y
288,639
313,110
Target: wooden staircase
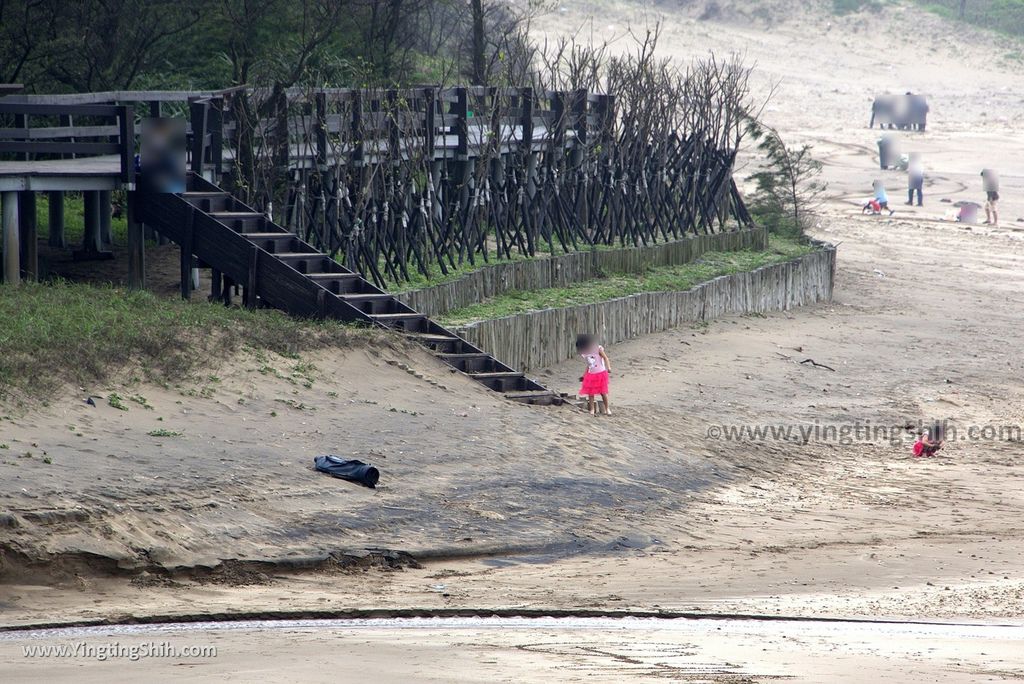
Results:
x,y
279,270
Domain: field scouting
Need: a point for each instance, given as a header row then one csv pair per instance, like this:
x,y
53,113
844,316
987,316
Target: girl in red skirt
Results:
x,y
595,379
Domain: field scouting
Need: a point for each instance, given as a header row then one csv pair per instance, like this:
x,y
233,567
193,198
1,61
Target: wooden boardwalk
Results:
x,y
277,269
89,173
373,180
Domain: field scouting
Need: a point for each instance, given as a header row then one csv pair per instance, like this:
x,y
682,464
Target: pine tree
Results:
x,y
787,189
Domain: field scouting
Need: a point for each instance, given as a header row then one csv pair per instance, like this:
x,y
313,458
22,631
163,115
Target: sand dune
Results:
x,y
642,510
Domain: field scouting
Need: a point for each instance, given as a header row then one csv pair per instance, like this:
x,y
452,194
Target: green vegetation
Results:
x,y
435,276
74,218
163,433
116,401
55,46
672,278
787,187
75,333
1003,16
842,7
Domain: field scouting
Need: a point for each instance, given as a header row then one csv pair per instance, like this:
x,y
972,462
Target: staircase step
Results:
x,y
301,255
363,299
536,397
242,221
407,322
237,215
210,201
275,243
339,283
271,236
371,303
333,276
432,337
368,297
474,363
512,382
436,342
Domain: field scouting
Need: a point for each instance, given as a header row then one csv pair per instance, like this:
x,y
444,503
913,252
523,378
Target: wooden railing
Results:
x,y
34,132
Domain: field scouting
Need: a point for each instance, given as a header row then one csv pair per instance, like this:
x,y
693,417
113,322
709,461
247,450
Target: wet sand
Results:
x,y
550,509
533,650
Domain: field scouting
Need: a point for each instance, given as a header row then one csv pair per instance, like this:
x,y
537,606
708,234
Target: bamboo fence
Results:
x,y
539,339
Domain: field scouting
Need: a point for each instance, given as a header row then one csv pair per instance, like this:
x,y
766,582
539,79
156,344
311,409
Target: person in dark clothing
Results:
x,y
918,110
915,179
990,181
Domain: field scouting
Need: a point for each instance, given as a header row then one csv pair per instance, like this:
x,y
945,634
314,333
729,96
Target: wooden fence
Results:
x,y
402,181
539,339
574,267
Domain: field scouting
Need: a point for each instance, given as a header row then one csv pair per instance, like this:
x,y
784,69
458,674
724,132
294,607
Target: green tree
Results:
x,y
788,187
88,46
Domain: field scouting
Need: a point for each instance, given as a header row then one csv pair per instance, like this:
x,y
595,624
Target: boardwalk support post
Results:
x,y
249,295
56,208
186,257
136,245
105,208
216,283
29,237
12,248
92,245
91,242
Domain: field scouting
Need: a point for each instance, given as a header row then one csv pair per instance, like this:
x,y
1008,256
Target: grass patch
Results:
x,y
842,7
666,279
163,433
435,276
115,401
1001,16
58,333
74,218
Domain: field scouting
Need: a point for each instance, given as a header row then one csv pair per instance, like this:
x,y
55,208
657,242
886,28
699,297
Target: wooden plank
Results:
x,y
198,111
55,132
126,143
58,148
7,107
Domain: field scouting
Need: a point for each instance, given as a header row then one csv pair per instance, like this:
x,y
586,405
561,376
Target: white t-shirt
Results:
x,y
595,364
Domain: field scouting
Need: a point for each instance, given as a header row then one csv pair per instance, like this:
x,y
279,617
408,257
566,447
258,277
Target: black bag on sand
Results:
x,y
348,469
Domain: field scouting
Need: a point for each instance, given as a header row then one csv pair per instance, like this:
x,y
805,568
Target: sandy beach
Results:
x,y
673,504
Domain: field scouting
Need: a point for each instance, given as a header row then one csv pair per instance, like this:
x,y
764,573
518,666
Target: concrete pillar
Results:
x,y
91,242
106,239
56,202
11,241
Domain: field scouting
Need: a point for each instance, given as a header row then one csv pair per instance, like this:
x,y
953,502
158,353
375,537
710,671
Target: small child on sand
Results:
x,y
882,197
925,446
595,378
